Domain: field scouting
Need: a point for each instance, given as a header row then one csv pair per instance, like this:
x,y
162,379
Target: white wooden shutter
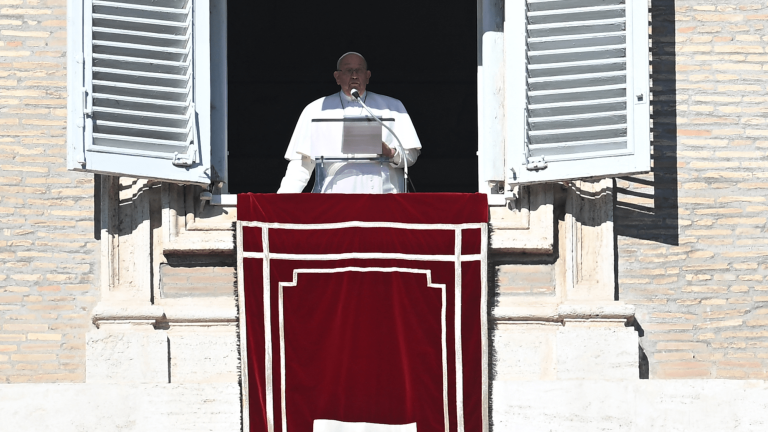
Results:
x,y
141,106
576,89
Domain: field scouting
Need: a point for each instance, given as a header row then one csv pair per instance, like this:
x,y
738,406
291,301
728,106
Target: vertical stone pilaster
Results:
x,y
589,245
126,347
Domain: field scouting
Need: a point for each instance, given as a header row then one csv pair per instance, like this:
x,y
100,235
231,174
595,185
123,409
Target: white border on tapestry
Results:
x,y
443,335
244,401
457,332
362,255
357,224
269,403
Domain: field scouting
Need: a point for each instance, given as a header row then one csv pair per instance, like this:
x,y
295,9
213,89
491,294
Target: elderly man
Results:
x,y
359,177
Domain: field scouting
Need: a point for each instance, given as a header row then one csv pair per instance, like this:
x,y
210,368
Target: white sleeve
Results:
x,y
297,175
299,144
410,156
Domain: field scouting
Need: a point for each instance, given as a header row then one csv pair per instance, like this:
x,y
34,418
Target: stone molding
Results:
x,y
204,312
554,313
527,228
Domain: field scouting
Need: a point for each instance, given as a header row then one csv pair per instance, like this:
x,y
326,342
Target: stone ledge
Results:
x,y
125,312
559,313
202,310
120,407
630,405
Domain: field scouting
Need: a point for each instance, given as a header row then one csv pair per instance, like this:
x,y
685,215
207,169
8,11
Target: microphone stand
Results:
x,y
356,94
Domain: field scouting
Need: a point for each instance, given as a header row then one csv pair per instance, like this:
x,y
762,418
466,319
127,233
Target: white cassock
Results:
x,y
357,177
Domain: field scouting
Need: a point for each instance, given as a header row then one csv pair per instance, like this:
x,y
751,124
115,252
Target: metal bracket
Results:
x,y
190,157
87,102
496,187
186,159
204,198
536,163
80,120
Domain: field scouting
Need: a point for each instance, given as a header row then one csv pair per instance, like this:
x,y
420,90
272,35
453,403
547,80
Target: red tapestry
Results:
x,y
364,308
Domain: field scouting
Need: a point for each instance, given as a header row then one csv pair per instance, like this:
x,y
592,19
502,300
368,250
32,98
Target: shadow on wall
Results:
x,y
646,205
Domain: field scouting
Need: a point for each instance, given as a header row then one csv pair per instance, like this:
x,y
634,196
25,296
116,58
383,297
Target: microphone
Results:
x,y
356,94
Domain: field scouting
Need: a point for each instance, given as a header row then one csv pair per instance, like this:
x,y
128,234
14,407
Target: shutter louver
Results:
x,y
579,90
141,88
142,76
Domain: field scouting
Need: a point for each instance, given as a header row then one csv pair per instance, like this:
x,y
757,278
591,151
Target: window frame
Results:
x,y
496,89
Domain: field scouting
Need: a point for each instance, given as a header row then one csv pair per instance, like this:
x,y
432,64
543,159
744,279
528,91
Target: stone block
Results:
x,y
592,351
203,354
120,407
116,356
630,405
524,351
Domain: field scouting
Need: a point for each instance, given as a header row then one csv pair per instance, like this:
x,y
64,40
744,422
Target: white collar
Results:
x,y
349,98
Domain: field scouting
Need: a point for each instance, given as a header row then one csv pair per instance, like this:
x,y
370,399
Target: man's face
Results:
x,y
353,74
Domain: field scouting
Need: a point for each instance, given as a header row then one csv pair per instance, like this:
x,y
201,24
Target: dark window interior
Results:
x,y
282,55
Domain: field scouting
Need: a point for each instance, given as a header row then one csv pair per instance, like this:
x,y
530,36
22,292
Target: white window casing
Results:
x,y
490,100
139,87
576,92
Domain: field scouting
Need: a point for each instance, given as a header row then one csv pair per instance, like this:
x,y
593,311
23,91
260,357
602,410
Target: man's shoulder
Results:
x,y
386,99
386,102
317,103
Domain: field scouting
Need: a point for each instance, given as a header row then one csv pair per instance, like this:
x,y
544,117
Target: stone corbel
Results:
x,y
190,229
527,228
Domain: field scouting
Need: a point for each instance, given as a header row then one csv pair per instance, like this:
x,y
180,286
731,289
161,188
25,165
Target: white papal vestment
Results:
x,y
342,177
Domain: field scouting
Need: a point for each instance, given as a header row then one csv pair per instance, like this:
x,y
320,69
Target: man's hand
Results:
x,y
386,151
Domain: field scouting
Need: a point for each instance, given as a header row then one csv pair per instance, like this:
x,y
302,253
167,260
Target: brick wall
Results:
x,y
692,236
48,254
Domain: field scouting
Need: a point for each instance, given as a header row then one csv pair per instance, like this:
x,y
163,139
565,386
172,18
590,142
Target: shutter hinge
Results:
x,y
190,157
205,197
536,163
186,159
80,121
87,102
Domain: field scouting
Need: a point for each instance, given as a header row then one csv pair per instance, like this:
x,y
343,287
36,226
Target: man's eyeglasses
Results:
x,y
350,72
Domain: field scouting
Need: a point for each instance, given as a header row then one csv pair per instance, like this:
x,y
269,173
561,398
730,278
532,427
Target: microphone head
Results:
x,y
355,93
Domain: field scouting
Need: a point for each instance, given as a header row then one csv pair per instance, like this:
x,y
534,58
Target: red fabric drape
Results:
x,y
363,335
451,208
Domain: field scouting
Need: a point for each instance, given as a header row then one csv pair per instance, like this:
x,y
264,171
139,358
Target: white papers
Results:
x,y
325,138
361,135
345,137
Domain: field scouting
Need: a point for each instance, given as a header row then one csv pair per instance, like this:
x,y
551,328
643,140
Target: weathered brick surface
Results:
x,y
692,236
197,281
513,279
48,255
